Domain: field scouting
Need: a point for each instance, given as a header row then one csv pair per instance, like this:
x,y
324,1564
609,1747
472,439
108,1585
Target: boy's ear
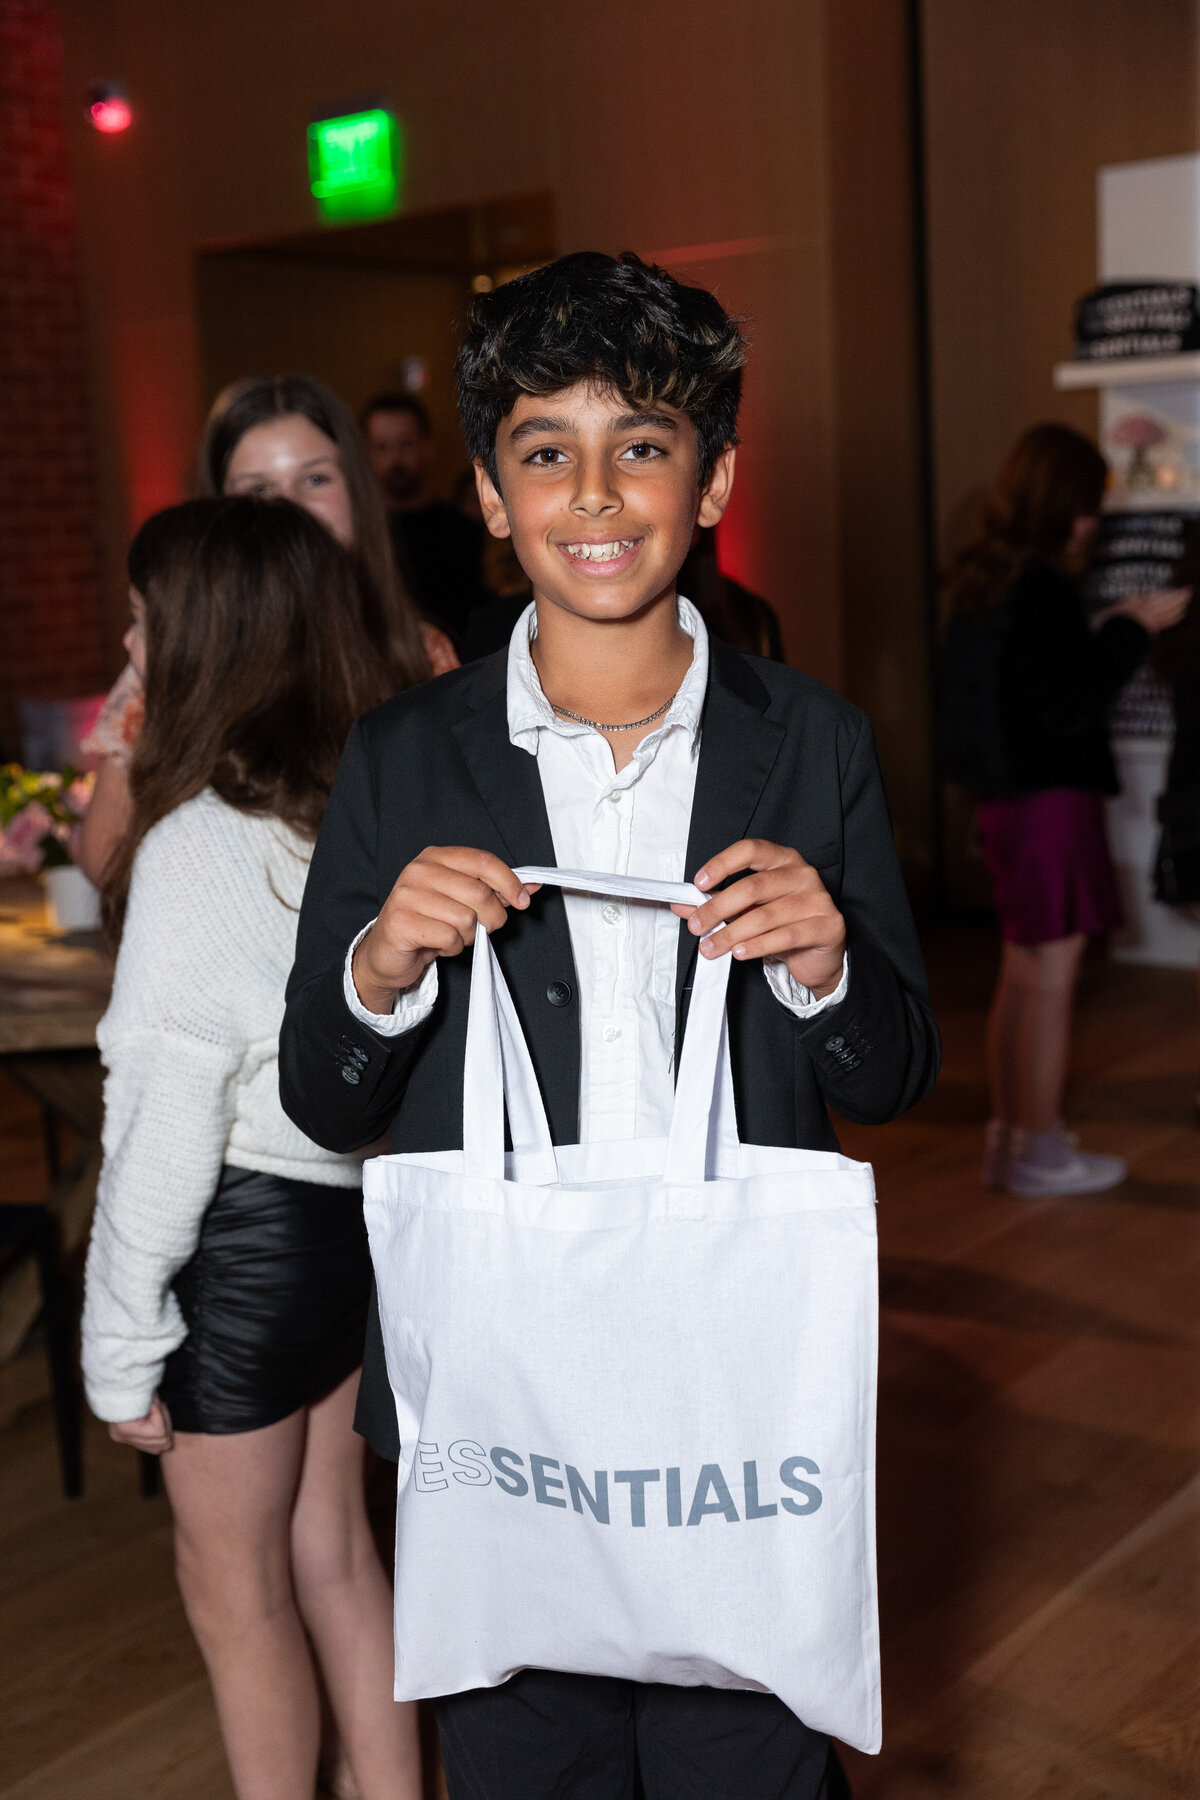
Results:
x,y
494,515
717,489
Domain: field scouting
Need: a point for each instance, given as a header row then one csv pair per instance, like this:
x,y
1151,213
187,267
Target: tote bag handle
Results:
x,y
703,1140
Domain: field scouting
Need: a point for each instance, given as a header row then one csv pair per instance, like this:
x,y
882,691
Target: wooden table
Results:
x,y
54,985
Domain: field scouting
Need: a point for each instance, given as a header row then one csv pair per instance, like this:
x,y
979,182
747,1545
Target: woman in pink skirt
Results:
x,y
1056,675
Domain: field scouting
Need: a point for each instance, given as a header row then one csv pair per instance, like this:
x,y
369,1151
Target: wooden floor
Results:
x,y
1038,1495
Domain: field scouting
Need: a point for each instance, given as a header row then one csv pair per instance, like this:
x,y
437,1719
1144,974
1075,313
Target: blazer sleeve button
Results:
x,y
834,1044
558,993
351,1074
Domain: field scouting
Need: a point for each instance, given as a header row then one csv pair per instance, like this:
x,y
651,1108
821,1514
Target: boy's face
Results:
x,y
600,500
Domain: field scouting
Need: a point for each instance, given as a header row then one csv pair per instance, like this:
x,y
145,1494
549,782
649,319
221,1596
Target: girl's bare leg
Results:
x,y
1045,976
1003,1032
346,1602
232,1498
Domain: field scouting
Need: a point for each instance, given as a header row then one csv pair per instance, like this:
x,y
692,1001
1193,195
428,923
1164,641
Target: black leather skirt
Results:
x,y
275,1300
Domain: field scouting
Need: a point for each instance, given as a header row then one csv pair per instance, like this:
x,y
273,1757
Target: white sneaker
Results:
x,y
1051,1162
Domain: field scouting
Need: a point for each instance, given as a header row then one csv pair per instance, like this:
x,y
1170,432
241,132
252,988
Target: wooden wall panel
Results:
x,y
722,175
1024,102
883,592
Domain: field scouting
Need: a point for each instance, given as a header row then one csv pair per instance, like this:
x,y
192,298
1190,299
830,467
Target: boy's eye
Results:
x,y
643,452
546,456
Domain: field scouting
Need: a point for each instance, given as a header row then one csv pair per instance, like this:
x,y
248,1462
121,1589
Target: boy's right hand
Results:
x,y
431,912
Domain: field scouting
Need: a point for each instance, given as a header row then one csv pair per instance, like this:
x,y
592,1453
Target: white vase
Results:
x,y
71,900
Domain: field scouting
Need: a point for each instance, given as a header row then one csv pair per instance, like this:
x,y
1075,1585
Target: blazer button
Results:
x,y
558,993
351,1074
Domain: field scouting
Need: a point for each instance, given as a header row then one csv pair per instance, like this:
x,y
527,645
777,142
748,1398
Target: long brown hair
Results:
x,y
256,401
1051,477
258,661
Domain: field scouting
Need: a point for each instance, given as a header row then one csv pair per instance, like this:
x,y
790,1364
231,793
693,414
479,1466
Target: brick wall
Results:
x,y
50,603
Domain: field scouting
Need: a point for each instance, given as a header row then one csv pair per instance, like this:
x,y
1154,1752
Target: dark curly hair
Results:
x,y
613,320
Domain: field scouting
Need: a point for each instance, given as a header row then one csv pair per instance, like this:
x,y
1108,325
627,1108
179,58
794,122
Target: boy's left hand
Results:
x,y
781,910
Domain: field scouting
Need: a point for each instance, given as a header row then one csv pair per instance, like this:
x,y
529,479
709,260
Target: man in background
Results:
x,y
437,549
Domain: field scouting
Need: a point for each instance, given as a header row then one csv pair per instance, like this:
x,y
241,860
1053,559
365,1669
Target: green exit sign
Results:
x,y
354,164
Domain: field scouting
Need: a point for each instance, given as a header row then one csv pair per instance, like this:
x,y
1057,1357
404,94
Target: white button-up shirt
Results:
x,y
632,821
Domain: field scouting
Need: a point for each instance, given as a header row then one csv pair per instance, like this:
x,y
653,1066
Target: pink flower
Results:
x,y
1137,430
20,845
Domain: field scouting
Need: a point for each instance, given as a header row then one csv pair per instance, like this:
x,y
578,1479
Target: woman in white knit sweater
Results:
x,y
228,1274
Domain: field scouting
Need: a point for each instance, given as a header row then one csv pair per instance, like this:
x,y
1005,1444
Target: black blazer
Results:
x,y
781,757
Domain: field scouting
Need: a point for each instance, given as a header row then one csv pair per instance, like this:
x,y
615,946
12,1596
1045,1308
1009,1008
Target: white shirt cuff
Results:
x,y
409,1009
796,997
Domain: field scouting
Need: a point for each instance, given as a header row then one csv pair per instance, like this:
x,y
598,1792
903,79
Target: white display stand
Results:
x,y
1162,935
1149,230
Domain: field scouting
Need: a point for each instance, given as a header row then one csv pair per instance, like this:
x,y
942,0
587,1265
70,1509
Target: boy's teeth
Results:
x,y
600,552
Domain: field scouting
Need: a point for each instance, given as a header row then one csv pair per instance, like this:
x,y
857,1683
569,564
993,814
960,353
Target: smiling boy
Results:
x,y
599,401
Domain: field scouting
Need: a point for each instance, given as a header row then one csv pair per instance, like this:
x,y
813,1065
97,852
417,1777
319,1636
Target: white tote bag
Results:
x,y
635,1386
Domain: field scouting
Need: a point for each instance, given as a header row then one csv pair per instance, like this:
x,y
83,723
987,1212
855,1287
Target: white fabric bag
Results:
x,y
635,1385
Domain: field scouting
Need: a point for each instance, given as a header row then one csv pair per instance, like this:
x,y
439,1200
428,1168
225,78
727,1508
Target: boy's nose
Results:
x,y
595,490
595,497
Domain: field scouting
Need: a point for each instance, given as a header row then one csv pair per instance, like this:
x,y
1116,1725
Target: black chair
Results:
x,y
32,1228
67,1087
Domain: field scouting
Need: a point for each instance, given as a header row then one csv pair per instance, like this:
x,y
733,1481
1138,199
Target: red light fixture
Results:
x,y
108,109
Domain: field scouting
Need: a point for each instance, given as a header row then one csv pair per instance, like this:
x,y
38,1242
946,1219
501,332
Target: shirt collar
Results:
x,y
529,712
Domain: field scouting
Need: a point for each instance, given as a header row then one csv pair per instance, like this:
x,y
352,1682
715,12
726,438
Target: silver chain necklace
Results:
x,y
595,725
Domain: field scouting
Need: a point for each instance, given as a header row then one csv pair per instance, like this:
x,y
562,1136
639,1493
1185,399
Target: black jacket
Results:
x,y
781,757
1058,679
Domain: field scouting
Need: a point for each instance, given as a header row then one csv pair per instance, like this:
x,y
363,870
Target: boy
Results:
x,y
599,401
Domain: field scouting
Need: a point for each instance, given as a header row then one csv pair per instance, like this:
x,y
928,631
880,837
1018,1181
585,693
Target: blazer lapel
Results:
x,y
537,945
507,779
738,749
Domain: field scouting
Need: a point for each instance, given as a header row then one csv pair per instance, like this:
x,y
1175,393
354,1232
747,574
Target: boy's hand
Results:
x,y
782,910
431,912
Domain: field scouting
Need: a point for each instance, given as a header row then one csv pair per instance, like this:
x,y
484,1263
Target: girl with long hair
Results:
x,y
278,437
1043,836
292,437
228,1274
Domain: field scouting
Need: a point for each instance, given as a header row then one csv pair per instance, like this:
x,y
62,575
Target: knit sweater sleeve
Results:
x,y
172,1043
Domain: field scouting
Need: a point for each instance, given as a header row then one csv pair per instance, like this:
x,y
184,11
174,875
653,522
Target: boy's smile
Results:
x,y
604,556
599,498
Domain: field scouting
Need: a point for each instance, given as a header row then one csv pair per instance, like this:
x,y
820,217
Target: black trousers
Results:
x,y
544,1736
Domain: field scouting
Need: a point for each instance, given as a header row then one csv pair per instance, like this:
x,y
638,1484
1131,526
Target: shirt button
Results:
x,y
558,993
612,914
615,796
611,1033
